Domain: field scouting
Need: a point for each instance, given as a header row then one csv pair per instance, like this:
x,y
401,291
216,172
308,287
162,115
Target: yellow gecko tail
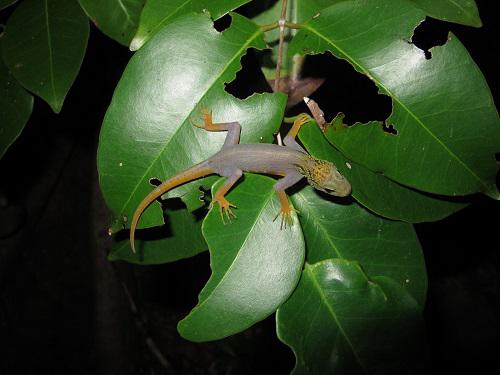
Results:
x,y
193,173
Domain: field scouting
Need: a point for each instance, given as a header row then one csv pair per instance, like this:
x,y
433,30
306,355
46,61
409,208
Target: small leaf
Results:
x,y
6,3
44,45
375,191
339,321
15,108
148,130
158,13
459,11
255,264
180,238
118,19
448,129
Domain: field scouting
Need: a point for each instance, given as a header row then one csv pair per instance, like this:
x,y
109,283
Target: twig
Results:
x,y
281,23
317,113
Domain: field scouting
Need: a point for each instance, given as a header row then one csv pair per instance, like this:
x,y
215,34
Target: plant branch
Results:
x,y
281,24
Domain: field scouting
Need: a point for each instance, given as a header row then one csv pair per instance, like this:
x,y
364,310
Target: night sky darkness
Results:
x,y
63,307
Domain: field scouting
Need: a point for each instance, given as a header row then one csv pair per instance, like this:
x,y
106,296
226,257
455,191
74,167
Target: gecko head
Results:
x,y
324,176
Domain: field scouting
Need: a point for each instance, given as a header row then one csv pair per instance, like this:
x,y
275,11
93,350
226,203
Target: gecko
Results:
x,y
290,162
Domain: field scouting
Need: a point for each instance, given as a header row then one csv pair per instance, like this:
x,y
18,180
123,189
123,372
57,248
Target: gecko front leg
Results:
x,y
290,179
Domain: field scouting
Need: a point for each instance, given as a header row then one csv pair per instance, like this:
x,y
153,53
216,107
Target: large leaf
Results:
x,y
147,131
5,3
448,129
180,238
340,321
374,190
158,13
460,11
15,108
44,45
382,247
116,18
255,264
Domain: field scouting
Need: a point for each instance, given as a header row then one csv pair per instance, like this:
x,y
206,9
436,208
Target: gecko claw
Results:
x,y
225,209
286,217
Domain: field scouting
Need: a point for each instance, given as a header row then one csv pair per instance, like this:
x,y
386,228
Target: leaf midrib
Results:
x,y
331,311
394,97
51,61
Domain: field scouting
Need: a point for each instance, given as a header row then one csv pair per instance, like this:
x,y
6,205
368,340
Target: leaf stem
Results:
x,y
281,23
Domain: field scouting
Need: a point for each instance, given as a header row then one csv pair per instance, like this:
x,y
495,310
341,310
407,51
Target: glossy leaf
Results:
x,y
6,3
158,13
375,191
448,129
255,264
148,131
459,11
347,231
180,238
340,321
118,19
44,45
15,108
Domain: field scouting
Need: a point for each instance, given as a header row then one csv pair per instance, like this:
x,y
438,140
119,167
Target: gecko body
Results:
x,y
291,162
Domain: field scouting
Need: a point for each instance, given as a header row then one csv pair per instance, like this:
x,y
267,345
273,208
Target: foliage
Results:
x,y
348,280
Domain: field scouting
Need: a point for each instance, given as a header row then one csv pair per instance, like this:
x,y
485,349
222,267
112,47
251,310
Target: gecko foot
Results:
x,y
224,209
207,121
286,216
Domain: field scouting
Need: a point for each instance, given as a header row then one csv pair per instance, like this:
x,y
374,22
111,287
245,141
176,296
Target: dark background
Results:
x,y
65,309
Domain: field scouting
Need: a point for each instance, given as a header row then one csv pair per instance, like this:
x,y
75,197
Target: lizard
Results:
x,y
291,162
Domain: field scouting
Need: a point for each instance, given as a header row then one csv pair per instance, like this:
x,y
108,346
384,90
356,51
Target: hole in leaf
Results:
x,y
249,79
155,181
428,34
345,90
389,128
497,157
222,23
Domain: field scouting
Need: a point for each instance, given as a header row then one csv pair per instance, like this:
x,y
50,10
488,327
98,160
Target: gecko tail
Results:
x,y
191,174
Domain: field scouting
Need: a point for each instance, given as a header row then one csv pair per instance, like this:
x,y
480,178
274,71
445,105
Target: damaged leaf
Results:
x,y
375,191
148,130
448,127
158,13
459,11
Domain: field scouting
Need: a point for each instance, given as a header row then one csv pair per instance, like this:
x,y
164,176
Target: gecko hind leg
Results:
x,y
220,199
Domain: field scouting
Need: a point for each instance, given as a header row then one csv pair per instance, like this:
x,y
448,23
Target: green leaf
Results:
x,y
118,19
147,131
459,11
448,129
180,238
339,321
381,246
44,45
375,191
15,108
255,264
158,13
6,3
